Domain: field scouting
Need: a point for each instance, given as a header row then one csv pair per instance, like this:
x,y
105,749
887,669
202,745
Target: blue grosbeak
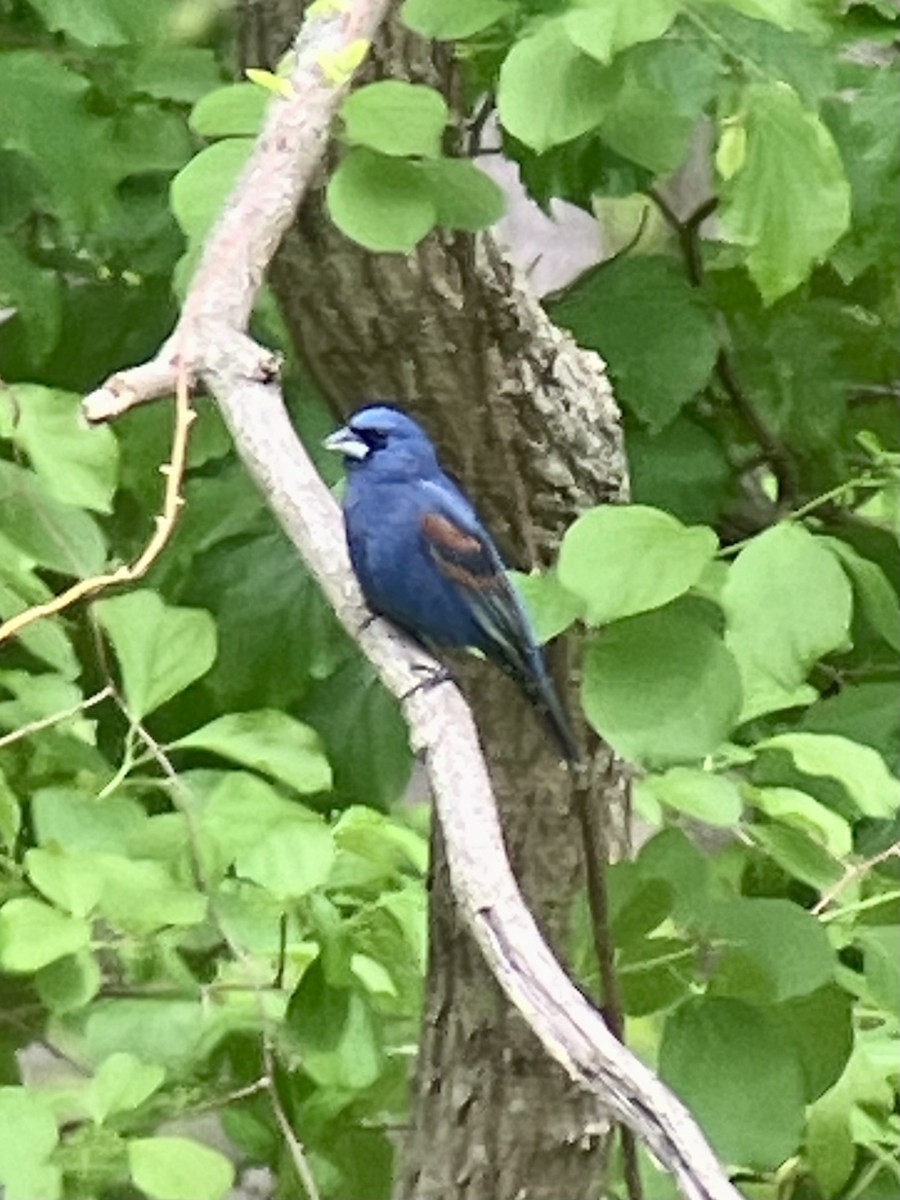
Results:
x,y
425,561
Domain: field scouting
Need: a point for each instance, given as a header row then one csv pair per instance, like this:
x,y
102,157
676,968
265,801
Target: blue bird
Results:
x,y
424,560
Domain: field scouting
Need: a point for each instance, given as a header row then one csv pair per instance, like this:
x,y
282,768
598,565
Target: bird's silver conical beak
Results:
x,y
345,441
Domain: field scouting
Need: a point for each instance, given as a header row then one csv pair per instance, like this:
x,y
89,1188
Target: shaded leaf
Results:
x,y
739,1074
651,326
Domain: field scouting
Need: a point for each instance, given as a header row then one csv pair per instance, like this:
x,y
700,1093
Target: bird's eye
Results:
x,y
375,439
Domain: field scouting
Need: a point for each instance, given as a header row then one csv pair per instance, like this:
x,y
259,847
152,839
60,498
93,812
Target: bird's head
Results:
x,y
384,440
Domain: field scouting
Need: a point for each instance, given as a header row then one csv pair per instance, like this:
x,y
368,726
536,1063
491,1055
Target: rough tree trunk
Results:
x,y
528,422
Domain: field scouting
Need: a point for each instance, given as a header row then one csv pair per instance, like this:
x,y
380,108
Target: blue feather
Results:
x,y
424,560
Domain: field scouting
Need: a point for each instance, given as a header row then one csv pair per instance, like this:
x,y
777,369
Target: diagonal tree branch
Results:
x,y
212,342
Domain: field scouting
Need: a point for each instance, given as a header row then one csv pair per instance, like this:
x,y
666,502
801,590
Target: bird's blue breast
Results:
x,y
397,574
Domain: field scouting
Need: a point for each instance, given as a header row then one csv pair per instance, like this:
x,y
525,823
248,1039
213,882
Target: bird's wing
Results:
x,y
467,558
464,554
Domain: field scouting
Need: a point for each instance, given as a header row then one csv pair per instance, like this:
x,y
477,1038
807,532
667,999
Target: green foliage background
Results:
x,y
211,896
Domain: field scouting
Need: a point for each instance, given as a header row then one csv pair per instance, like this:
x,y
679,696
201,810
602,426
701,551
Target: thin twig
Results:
x,y
852,874
55,718
165,525
298,1154
242,1093
779,457
596,859
776,452
295,1148
180,794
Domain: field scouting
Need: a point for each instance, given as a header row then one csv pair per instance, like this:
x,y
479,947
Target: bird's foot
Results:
x,y
432,679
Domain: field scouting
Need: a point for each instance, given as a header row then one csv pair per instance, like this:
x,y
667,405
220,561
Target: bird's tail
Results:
x,y
539,688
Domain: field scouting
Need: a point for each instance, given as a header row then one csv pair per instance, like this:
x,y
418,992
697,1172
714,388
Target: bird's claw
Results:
x,y
433,679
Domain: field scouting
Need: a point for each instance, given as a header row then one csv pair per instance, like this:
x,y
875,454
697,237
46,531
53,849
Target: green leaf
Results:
x,y
820,1024
790,201
831,1121
396,118
790,15
47,639
36,697
865,712
176,1168
54,535
180,73
28,1136
335,1032
787,948
447,20
69,983
859,769
464,197
240,810
880,966
549,92
236,110
110,23
682,469
740,1076
121,1084
803,812
382,203
651,326
35,295
551,608
673,858
877,598
661,688
622,560
277,85
200,189
604,27
698,794
654,974
665,88
372,835
293,859
268,611
140,896
270,742
69,881
80,822
33,934
10,815
798,854
168,1032
365,736
161,649
787,604
638,905
77,465
46,118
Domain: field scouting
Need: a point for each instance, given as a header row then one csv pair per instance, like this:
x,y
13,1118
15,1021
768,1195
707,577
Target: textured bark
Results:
x,y
528,422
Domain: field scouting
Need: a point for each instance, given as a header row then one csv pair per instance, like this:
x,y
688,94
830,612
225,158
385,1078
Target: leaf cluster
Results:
x,y
211,897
